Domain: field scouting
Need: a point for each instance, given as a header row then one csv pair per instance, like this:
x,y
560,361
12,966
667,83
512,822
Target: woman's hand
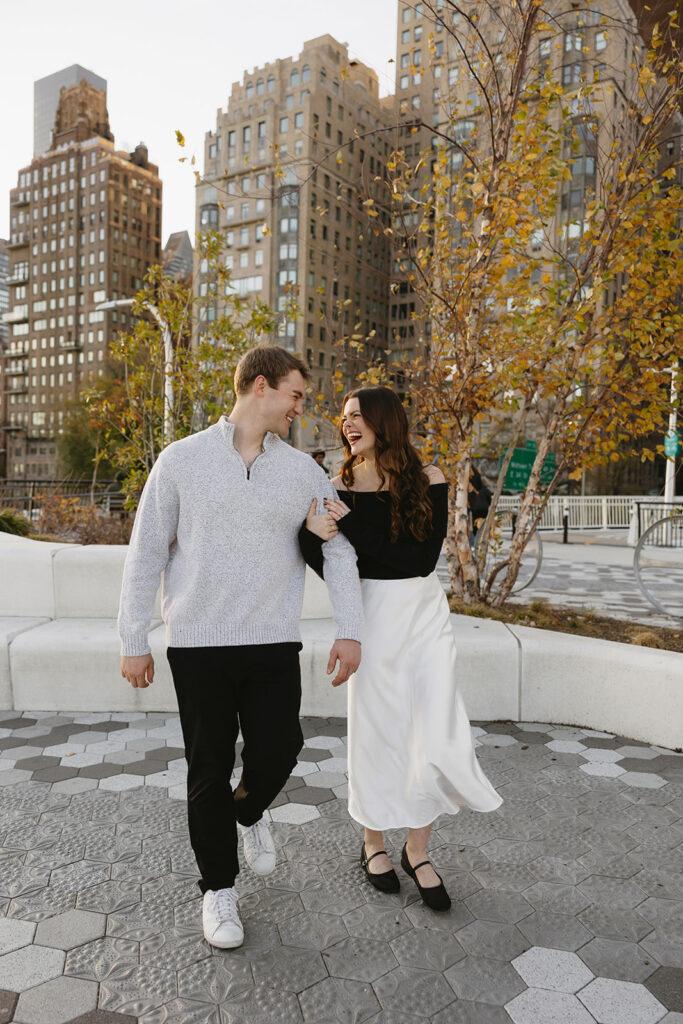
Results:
x,y
336,508
323,525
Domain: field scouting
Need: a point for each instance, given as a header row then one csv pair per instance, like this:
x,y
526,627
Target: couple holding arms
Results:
x,y
225,516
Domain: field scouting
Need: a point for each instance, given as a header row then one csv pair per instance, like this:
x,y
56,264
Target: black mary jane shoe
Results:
x,y
435,896
387,881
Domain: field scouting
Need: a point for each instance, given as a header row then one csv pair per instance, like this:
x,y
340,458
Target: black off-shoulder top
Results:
x,y
368,527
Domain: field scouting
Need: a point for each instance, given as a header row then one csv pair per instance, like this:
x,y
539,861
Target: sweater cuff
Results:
x,y
349,631
134,645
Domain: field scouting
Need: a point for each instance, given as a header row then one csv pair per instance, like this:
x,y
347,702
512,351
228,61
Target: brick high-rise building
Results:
x,y
85,226
286,190
4,293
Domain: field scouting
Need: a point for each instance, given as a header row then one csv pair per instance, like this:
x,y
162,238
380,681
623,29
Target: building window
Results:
x,y
405,60
299,120
305,73
405,35
246,136
294,77
250,90
600,40
260,87
417,34
284,124
404,81
271,83
405,15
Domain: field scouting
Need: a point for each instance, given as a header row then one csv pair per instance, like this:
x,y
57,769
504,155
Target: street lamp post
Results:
x,y
168,358
671,442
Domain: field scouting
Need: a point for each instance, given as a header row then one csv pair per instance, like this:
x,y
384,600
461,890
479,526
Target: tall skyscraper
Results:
x,y
286,182
178,256
46,99
85,226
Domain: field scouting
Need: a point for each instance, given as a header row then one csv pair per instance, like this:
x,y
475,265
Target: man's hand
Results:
x,y
139,671
347,653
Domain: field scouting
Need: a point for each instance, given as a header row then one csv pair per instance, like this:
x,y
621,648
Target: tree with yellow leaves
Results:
x,y
547,258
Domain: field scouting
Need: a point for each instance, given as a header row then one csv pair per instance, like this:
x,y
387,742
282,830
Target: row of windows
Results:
x,y
269,84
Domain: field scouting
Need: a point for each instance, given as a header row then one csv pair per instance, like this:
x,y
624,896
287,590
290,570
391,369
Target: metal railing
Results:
x,y
663,519
26,495
586,512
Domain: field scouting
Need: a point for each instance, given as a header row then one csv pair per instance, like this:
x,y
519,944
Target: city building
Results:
x,y
46,100
4,293
290,171
177,257
85,226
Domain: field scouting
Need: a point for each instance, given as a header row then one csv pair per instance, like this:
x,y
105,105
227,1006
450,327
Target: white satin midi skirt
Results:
x,y
411,754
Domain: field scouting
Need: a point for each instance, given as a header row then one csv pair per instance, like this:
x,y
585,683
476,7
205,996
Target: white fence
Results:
x,y
587,512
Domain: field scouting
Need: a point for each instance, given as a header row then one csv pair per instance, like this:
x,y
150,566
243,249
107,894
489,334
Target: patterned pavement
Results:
x,y
568,901
600,579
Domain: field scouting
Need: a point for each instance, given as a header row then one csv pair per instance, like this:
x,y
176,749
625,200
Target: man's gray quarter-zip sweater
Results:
x,y
225,540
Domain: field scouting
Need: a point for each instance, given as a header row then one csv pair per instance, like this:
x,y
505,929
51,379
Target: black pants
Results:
x,y
221,689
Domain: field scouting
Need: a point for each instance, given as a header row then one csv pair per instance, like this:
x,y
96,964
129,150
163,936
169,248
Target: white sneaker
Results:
x,y
221,919
259,848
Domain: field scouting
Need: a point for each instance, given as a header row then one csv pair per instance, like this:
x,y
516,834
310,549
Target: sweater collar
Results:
x,y
226,430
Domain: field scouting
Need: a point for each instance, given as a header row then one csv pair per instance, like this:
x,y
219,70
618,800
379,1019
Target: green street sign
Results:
x,y
519,470
672,445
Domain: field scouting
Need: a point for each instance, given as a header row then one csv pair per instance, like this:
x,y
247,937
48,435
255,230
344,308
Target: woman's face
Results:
x,y
360,436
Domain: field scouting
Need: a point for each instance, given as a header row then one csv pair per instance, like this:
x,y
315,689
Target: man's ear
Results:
x,y
260,384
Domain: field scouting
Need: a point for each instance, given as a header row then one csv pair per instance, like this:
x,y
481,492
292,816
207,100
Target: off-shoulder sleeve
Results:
x,y
416,558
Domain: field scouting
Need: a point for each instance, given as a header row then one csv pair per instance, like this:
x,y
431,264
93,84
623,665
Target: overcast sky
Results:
x,y
168,64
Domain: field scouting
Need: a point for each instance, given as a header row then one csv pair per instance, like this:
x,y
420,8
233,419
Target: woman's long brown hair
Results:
x,y
396,460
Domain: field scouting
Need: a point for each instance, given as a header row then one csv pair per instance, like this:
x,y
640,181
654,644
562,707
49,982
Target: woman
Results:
x,y
411,755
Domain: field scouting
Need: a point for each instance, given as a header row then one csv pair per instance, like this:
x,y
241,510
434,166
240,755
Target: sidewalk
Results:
x,y
568,901
593,571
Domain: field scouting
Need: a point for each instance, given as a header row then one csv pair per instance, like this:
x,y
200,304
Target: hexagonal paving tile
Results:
x,y
602,755
478,979
71,929
56,1002
643,780
15,934
540,1005
621,1002
666,985
359,959
406,990
32,965
623,961
552,969
567,747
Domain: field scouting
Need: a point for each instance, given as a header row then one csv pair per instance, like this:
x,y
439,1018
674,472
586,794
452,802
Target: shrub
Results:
x,y
13,522
66,518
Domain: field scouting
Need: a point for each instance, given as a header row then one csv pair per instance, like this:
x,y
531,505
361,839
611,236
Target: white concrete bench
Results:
x,y
59,650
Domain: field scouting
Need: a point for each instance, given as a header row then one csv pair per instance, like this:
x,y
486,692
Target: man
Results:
x,y
319,456
219,517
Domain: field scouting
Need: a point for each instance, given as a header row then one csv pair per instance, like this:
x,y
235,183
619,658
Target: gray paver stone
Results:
x,y
666,984
30,966
408,990
15,934
359,959
56,1001
478,979
538,1005
623,961
553,969
8,1002
71,929
338,999
621,1002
